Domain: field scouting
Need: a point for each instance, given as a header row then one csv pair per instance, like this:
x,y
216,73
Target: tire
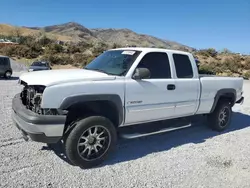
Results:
x,y
220,118
104,144
7,74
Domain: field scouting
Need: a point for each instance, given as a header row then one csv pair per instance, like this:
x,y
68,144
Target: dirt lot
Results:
x,y
195,157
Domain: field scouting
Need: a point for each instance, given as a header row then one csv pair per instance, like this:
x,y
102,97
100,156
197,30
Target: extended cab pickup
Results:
x,y
122,88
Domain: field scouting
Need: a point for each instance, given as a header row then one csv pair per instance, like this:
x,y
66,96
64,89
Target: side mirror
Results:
x,y
141,73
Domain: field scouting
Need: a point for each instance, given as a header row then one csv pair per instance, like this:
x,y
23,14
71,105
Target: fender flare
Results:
x,y
113,98
228,92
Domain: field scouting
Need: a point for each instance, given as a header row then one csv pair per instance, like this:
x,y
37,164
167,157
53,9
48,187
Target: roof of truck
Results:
x,y
4,56
152,49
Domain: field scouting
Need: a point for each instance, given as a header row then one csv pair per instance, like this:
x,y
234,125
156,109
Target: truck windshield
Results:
x,y
114,62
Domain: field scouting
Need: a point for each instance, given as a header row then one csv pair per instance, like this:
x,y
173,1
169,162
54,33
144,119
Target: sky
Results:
x,y
200,24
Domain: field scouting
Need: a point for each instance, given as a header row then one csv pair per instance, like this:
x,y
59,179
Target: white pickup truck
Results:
x,y
86,109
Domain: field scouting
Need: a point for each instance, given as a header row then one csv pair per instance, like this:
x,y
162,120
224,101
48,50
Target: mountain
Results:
x,y
6,29
110,36
126,36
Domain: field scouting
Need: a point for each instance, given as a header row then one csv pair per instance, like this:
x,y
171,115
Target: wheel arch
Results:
x,y
108,105
228,93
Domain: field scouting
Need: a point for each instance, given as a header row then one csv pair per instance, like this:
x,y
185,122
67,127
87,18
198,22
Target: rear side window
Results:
x,y
4,61
158,65
183,66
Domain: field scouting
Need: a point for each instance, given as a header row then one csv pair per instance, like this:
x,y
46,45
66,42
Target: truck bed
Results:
x,y
210,75
212,84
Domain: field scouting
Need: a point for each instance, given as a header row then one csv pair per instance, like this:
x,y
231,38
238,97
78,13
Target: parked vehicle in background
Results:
x,y
39,65
5,67
118,93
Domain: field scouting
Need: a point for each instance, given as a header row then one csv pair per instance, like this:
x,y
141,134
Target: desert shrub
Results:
x,y
30,42
27,40
84,46
44,41
247,63
58,59
54,48
210,52
211,68
99,48
79,59
246,74
73,49
231,64
206,70
115,45
21,51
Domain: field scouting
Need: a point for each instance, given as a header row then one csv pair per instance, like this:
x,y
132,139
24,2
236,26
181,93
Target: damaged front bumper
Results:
x,y
39,128
240,101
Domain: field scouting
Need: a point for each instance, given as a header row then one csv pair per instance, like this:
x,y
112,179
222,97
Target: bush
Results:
x,y
44,41
246,74
73,49
21,51
99,48
231,64
81,60
58,59
115,45
54,48
211,68
210,52
247,63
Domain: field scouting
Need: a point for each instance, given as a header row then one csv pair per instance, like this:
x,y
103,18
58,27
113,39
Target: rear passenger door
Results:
x,y
187,86
151,99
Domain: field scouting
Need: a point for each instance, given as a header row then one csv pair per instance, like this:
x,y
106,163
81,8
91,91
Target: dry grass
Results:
x,y
10,30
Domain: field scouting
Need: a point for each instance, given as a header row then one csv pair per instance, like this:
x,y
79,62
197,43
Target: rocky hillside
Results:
x,y
109,36
10,30
85,44
126,36
74,30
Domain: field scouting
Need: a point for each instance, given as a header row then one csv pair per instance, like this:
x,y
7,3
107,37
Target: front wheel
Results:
x,y
7,74
220,118
90,141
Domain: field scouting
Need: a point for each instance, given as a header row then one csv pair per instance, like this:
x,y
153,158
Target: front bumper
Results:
x,y
39,128
240,101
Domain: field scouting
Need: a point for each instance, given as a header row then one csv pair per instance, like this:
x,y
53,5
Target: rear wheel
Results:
x,y
90,141
220,118
7,74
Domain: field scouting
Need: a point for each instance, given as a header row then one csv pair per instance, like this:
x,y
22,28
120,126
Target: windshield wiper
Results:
x,y
99,70
96,70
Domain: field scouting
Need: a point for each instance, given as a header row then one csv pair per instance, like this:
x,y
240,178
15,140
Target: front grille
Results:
x,y
31,97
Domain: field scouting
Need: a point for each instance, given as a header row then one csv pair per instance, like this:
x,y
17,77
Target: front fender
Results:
x,y
114,98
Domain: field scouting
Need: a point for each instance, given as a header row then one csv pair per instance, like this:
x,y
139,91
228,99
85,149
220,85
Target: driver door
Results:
x,y
151,99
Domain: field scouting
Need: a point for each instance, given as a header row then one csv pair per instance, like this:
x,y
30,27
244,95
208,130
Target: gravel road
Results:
x,y
17,66
195,157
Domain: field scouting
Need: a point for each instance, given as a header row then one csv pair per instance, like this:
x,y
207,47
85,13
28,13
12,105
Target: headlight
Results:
x,y
30,70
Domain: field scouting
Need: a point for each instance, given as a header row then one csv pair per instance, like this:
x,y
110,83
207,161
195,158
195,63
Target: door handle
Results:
x,y
171,87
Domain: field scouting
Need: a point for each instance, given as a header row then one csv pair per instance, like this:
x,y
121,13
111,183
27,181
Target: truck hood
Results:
x,y
52,77
38,68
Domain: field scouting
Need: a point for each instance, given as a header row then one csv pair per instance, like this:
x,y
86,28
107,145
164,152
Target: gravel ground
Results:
x,y
194,157
17,67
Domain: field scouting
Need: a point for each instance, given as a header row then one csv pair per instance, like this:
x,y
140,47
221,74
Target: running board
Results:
x,y
138,135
